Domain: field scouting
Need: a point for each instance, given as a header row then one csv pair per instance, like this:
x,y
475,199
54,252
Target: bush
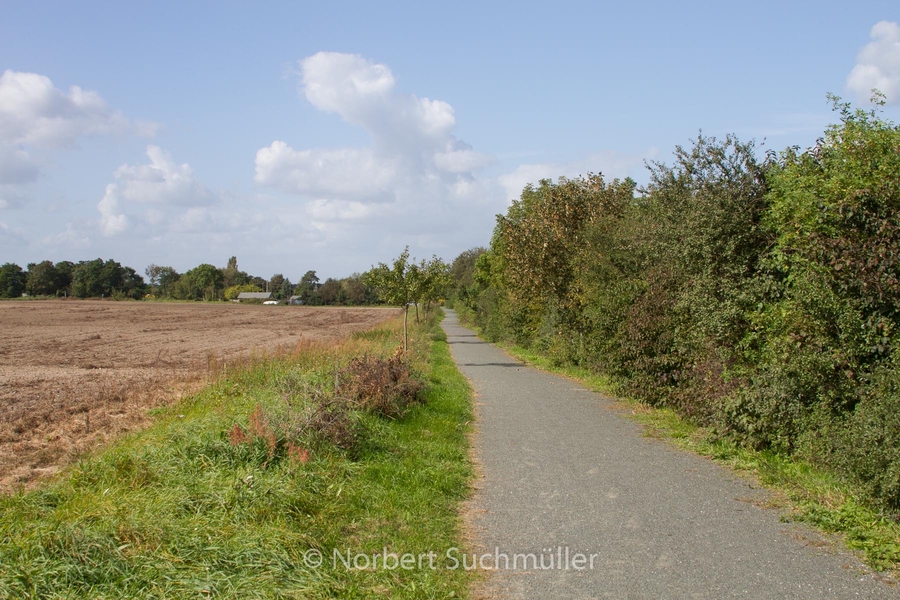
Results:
x,y
384,387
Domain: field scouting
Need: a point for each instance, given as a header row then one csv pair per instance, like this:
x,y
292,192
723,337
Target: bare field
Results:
x,y
75,373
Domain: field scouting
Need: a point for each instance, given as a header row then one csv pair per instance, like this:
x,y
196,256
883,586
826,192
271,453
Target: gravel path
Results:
x,y
571,482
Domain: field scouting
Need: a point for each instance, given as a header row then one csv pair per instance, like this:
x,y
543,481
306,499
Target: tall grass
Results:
x,y
189,508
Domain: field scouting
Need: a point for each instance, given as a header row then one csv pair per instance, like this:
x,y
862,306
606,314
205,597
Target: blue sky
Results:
x,y
328,136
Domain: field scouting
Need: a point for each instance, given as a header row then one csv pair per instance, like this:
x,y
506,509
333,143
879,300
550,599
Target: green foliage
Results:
x,y
12,281
162,280
234,291
276,286
395,285
203,282
106,279
44,279
758,297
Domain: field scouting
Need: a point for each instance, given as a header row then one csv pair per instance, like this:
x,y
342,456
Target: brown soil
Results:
x,y
76,373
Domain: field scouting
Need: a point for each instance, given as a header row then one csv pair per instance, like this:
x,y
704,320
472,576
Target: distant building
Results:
x,y
296,300
254,296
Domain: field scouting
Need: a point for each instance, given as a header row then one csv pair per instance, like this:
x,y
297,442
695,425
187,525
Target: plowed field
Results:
x,y
75,373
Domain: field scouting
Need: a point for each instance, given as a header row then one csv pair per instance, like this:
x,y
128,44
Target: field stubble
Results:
x,y
74,374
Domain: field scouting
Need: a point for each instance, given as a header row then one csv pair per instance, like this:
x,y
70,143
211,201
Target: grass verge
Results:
x,y
803,492
225,496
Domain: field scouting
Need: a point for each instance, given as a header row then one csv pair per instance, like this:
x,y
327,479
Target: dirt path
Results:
x,y
572,482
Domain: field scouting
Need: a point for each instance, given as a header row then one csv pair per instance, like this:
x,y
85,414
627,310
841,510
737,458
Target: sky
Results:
x,y
329,136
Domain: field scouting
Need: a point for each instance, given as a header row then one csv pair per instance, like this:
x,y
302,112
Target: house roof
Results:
x,y
254,295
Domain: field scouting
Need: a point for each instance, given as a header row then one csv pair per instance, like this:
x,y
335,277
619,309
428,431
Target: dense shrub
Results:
x,y
758,296
384,387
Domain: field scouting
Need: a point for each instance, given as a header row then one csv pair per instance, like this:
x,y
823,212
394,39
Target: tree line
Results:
x,y
756,294
109,279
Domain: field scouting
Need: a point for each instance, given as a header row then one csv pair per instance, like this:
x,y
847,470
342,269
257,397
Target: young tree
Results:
x,y
436,281
394,286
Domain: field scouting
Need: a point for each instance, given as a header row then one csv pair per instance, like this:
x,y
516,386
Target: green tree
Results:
x,y
308,288
203,282
103,279
43,279
12,281
436,282
287,289
65,268
275,285
231,293
232,276
355,292
462,272
394,285
167,278
330,291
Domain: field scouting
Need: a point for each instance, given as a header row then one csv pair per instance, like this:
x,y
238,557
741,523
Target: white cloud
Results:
x,y
411,137
112,222
613,165
415,183
37,117
344,172
878,64
162,183
34,112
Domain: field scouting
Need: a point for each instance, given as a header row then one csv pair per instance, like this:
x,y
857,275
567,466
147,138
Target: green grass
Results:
x,y
803,492
179,511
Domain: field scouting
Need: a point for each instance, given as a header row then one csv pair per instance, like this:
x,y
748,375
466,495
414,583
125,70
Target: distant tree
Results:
x,y
12,281
203,282
102,279
462,272
275,284
64,269
435,282
330,291
308,288
43,279
166,281
231,275
287,288
152,272
309,280
394,285
234,291
354,291
258,282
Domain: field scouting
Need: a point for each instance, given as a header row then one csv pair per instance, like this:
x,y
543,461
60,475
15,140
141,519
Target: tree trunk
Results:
x,y
405,335
417,312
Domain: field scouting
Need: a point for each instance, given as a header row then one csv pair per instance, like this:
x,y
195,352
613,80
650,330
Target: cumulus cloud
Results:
x,y
37,117
412,141
168,187
878,64
35,112
345,172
